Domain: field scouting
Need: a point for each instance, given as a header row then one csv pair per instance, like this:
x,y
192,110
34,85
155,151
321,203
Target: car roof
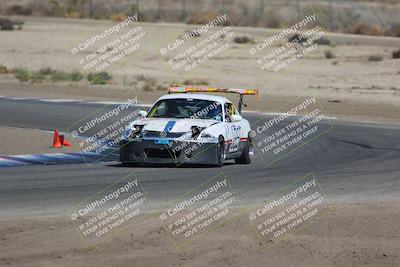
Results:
x,y
214,98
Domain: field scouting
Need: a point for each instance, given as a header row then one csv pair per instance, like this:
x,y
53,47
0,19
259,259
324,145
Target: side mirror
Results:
x,y
142,113
236,118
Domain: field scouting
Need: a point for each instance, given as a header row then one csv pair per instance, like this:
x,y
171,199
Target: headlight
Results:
x,y
196,130
206,135
135,131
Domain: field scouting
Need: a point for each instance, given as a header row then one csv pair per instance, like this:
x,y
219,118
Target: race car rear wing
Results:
x,y
241,92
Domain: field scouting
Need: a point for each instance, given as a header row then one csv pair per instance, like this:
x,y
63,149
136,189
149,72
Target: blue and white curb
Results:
x,y
48,159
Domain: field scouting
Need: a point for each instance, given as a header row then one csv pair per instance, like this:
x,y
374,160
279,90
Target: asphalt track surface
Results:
x,y
352,161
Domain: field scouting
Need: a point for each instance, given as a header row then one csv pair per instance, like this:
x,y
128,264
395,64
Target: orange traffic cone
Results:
x,y
66,143
56,140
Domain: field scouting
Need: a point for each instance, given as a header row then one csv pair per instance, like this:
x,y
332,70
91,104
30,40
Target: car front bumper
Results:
x,y
177,152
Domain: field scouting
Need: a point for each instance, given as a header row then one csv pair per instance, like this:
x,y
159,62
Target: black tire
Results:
x,y
125,164
129,164
221,154
247,154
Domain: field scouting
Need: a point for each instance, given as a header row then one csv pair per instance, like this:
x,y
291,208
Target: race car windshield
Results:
x,y
186,108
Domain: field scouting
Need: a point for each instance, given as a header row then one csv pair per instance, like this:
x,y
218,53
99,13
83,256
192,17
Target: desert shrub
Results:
x,y
366,29
361,28
58,76
140,77
148,84
335,62
19,26
204,18
174,83
394,30
161,87
376,31
56,10
329,54
37,77
375,58
196,82
396,54
19,10
75,8
75,76
3,69
6,25
343,21
73,14
203,82
188,82
118,17
322,41
147,87
242,40
21,74
99,78
134,9
47,74
273,20
46,71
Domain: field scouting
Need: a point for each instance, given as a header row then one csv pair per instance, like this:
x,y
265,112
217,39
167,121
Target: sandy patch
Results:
x,y
355,234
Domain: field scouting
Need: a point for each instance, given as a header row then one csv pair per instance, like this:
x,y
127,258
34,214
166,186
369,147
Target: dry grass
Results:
x,y
396,54
375,58
3,69
148,84
329,54
361,18
196,82
10,25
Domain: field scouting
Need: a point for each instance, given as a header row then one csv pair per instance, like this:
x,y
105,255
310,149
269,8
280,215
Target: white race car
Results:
x,y
190,128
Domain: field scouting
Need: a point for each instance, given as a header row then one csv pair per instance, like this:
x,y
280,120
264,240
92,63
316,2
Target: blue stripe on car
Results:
x,y
169,126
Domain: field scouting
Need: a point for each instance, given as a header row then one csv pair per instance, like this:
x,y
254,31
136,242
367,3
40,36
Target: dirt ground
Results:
x,y
17,141
358,234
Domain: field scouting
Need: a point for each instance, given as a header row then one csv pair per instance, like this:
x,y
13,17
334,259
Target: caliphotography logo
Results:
x,y
109,46
110,211
199,211
302,36
199,45
277,135
100,133
291,209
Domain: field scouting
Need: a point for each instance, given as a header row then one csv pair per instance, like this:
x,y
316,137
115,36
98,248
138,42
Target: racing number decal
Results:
x,y
235,138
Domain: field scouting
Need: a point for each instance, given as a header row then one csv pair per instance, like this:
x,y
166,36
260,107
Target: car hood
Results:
x,y
173,125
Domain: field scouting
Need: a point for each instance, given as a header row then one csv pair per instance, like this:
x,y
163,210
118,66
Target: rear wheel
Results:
x,y
247,154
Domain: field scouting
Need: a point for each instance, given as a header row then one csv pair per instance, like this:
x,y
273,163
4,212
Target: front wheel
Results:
x,y
247,154
220,155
